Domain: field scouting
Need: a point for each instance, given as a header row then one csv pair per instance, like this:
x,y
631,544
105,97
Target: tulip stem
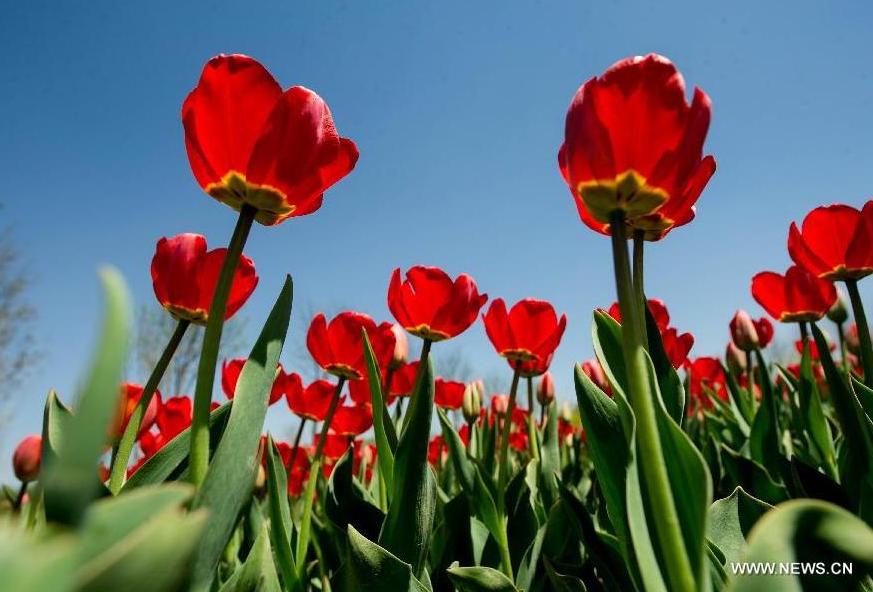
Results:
x,y
325,425
199,457
22,491
531,422
843,357
503,467
422,363
650,456
639,283
125,446
296,443
863,331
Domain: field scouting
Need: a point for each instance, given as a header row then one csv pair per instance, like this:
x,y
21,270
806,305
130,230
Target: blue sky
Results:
x,y
457,109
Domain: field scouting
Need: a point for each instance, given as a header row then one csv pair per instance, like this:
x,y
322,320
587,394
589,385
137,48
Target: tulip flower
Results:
x,y
735,358
231,369
26,458
430,305
530,330
656,306
765,331
474,392
437,451
632,144
352,420
174,416
185,274
129,396
794,297
401,347
706,376
311,402
546,390
744,334
448,394
338,348
333,445
835,242
250,143
404,380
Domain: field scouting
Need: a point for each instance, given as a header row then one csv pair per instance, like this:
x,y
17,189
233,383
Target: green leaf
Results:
x,y
408,525
55,422
370,567
281,526
32,565
172,458
672,392
563,583
233,468
480,579
813,414
731,519
550,464
857,468
258,573
344,504
384,451
764,439
140,542
70,481
752,477
808,531
478,495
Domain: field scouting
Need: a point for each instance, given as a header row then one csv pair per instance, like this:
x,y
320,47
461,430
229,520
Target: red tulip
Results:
x,y
184,276
532,368
706,376
174,416
403,379
835,243
352,420
744,334
677,345
27,457
432,306
401,346
335,445
298,472
129,396
595,373
797,296
448,394
339,349
499,404
813,348
530,331
656,306
311,402
230,371
437,450
250,143
633,143
765,331
546,390
518,441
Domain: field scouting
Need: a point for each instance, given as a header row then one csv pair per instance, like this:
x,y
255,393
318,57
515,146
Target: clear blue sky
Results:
x,y
457,109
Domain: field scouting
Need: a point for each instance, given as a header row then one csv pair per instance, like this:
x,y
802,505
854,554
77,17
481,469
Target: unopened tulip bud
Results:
x,y
852,342
594,371
736,359
261,479
401,346
838,313
26,458
567,412
472,405
546,390
743,331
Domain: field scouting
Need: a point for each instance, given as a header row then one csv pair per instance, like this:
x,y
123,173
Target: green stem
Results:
x,y
503,467
199,458
843,357
503,544
656,482
422,363
863,331
296,443
639,284
325,425
125,446
22,491
531,422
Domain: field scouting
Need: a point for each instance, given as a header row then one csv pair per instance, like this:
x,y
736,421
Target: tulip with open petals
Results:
x,y
794,297
834,242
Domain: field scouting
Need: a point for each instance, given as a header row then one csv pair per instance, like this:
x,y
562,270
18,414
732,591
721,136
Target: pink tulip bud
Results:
x,y
26,458
546,390
735,358
743,331
594,371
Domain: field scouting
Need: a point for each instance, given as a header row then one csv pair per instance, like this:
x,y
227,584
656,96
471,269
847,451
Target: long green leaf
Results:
x,y
69,480
813,414
258,573
764,441
480,579
410,518
231,473
385,454
281,526
370,567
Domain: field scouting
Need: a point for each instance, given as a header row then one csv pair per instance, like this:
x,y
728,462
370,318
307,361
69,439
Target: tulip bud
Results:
x,y
852,342
567,412
594,371
401,346
838,313
472,405
26,458
743,331
261,479
546,390
736,359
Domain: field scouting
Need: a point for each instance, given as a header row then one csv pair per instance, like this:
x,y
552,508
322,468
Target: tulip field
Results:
x,y
667,473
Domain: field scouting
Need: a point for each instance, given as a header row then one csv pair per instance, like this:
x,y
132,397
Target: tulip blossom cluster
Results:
x,y
397,474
